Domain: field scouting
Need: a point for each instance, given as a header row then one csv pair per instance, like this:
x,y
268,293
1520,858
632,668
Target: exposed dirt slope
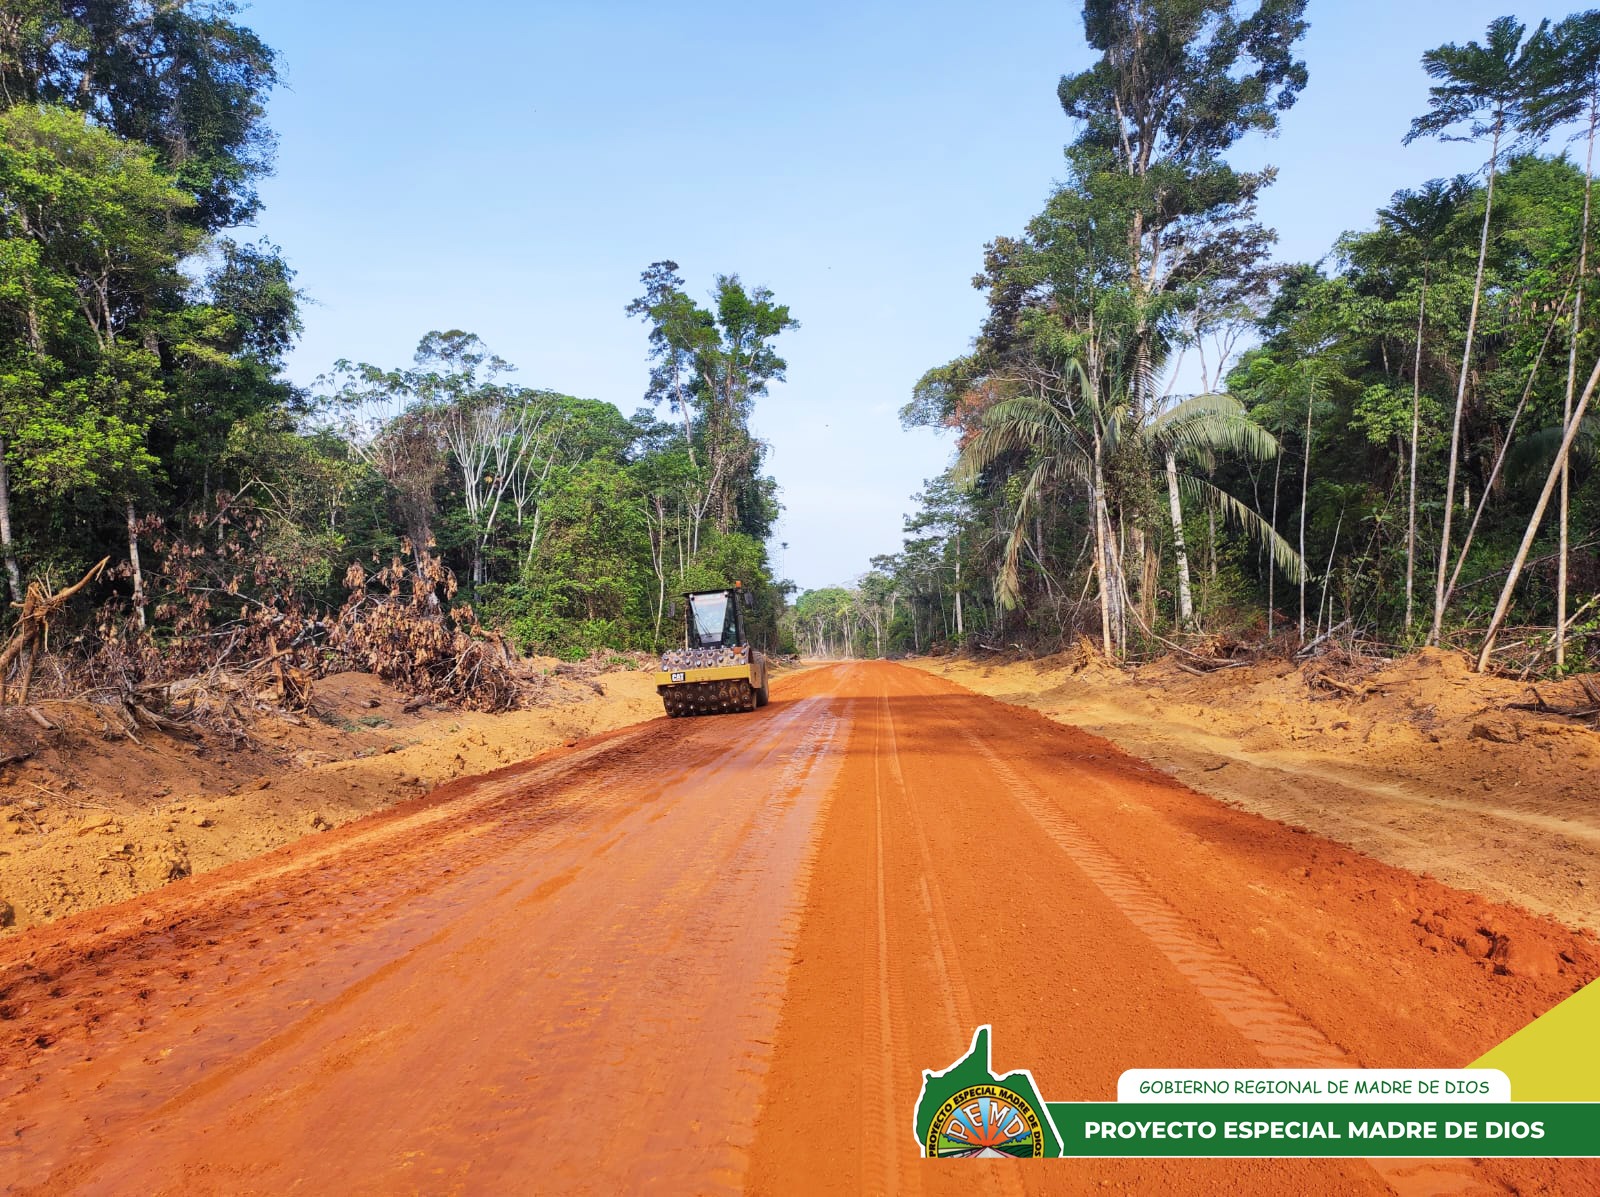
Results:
x,y
1419,763
712,954
90,817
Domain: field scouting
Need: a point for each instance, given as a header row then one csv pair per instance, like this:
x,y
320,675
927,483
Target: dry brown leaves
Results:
x,y
404,633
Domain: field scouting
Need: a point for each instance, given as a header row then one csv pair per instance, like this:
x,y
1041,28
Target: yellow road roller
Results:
x,y
716,671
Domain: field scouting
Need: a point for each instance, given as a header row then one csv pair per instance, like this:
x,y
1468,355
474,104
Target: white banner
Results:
x,y
1313,1084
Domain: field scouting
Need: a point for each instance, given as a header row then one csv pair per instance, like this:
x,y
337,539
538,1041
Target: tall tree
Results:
x,y
1197,430
1178,83
1486,89
729,348
680,330
1418,221
92,235
1566,89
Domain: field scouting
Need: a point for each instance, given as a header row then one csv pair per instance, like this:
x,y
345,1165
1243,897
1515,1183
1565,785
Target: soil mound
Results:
x,y
90,815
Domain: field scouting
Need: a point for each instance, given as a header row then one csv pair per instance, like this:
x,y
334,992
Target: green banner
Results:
x,y
1466,1130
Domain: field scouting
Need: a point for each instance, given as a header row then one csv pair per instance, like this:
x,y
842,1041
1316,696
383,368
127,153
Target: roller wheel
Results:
x,y
762,696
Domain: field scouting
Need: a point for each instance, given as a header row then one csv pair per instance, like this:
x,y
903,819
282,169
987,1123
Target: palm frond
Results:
x,y
1532,454
1025,424
1200,427
1247,519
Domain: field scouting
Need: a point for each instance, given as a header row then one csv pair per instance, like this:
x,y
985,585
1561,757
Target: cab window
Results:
x,y
711,620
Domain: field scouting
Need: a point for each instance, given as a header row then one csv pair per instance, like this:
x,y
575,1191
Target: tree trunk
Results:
x,y
1116,592
1328,575
961,627
1305,492
1101,573
1141,556
1272,573
1504,605
1461,394
1500,455
1572,379
8,548
1185,596
133,560
658,558
1416,428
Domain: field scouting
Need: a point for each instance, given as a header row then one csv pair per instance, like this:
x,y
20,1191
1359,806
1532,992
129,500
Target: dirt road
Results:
x,y
703,955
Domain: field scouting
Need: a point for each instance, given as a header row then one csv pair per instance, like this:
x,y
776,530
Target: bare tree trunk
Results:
x,y
1328,576
1461,394
1272,572
1185,596
8,548
1305,492
1504,605
961,626
1500,457
1572,379
1140,554
1416,428
657,525
533,538
1100,556
133,560
1116,591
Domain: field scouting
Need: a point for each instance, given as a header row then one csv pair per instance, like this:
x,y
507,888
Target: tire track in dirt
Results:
x,y
1281,1036
880,1095
680,956
967,824
1279,1033
940,935
628,947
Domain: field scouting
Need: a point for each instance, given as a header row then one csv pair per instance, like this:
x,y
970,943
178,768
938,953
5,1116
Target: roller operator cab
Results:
x,y
716,670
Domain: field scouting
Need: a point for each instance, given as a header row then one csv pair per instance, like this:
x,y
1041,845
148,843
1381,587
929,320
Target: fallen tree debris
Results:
x,y
1542,707
405,635
32,633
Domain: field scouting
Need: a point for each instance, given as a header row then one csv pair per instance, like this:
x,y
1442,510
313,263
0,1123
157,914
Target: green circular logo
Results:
x,y
986,1122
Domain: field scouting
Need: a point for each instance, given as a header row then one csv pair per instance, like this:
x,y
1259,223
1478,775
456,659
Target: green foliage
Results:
x,y
1151,245
710,366
180,76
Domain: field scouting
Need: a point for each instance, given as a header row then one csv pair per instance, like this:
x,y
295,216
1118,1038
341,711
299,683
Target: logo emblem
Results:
x,y
967,1111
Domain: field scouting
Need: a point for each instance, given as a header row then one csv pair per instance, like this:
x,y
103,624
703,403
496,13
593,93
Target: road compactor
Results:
x,y
716,670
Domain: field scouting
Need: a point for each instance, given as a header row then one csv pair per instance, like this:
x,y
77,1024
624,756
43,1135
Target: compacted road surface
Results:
x,y
716,954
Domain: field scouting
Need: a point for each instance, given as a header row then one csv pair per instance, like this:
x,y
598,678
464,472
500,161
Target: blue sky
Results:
x,y
510,168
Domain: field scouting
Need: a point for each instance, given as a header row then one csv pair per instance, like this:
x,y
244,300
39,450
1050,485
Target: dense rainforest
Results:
x,y
146,417
1397,439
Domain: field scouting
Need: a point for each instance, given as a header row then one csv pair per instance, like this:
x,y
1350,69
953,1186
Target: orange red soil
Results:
x,y
716,954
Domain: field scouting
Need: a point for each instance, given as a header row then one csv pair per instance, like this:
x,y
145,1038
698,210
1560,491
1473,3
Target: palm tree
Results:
x,y
1486,86
1567,89
1197,430
1068,434
1419,220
